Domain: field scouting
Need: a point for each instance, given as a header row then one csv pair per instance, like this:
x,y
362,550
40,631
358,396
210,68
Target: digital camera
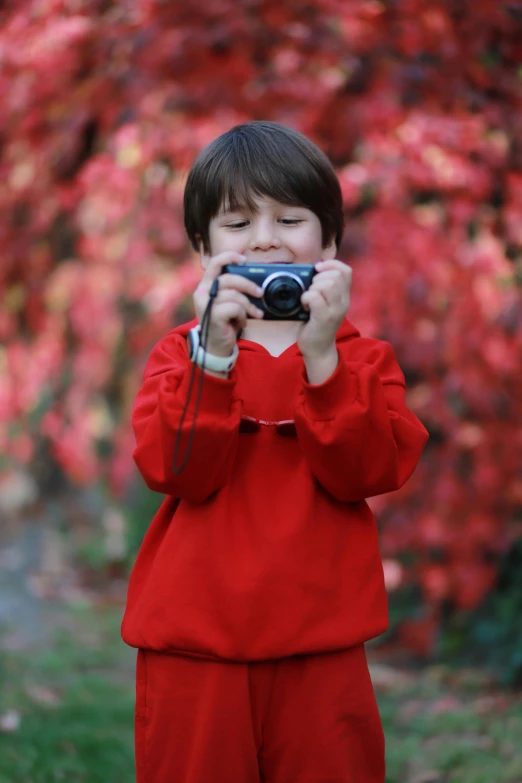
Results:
x,y
283,286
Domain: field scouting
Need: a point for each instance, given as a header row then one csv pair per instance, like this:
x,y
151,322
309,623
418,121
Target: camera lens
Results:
x,y
282,294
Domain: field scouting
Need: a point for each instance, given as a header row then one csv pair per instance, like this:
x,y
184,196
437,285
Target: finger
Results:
x,y
312,299
218,262
240,283
342,270
230,282
335,299
328,298
332,278
333,286
232,312
231,295
335,265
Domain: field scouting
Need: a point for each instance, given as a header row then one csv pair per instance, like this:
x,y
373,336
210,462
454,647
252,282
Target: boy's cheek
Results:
x,y
229,244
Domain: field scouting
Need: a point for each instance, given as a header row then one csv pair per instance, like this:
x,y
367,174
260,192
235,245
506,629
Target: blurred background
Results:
x,y
104,106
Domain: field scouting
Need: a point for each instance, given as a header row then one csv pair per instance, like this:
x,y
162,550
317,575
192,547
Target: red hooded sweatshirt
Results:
x,y
265,546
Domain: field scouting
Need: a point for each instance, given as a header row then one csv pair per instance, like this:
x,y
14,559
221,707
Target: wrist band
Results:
x,y
212,362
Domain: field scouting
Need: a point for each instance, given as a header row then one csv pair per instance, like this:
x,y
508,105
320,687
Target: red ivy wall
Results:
x,y
419,105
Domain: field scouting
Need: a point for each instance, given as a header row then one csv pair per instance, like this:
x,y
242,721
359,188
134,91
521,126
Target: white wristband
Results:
x,y
212,362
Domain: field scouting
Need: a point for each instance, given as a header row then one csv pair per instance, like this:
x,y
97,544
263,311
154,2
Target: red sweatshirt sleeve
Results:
x,y
156,417
358,436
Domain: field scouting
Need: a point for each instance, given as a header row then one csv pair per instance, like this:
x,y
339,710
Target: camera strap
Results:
x,y
205,326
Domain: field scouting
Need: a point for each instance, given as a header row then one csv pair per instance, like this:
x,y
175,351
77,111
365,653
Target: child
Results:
x,y
260,580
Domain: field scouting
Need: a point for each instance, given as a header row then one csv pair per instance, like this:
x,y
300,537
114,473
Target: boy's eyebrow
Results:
x,y
226,208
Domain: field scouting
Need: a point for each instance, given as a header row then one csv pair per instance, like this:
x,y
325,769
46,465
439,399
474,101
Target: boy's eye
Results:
x,y
284,221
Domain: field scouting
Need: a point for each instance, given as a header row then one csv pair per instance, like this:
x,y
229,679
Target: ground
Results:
x,y
66,712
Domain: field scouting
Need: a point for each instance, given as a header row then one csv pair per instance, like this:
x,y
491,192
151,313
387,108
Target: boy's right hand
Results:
x,y
230,308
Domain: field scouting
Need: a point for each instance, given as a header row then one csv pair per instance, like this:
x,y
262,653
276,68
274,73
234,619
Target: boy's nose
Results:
x,y
263,237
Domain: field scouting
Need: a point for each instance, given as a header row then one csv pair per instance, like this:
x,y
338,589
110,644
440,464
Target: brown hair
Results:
x,y
263,159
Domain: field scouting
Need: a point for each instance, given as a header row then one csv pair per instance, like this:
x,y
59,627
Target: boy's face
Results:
x,y
276,233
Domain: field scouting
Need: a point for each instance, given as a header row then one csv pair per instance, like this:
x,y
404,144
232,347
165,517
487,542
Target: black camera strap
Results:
x,y
205,326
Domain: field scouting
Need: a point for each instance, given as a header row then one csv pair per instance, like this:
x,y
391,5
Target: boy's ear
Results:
x,y
329,252
204,257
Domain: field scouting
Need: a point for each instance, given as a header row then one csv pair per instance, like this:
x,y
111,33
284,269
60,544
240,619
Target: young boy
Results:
x,y
260,580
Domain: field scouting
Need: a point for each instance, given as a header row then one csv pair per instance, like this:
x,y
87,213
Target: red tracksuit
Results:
x,y
260,578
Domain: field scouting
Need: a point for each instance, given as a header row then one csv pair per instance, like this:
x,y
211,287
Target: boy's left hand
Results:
x,y
327,300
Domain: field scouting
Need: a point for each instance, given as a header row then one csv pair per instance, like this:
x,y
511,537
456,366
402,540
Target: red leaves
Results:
x,y
102,113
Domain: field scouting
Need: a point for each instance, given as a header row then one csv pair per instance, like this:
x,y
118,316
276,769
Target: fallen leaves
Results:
x,y
40,694
10,721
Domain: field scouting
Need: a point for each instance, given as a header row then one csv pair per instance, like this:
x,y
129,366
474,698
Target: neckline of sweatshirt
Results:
x,y
346,331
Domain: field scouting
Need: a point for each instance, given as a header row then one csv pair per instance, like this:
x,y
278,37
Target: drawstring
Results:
x,y
205,326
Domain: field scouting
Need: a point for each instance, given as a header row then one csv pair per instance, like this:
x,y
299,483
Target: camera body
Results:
x,y
283,286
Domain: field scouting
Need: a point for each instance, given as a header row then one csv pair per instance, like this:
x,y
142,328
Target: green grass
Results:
x,y
446,726
76,702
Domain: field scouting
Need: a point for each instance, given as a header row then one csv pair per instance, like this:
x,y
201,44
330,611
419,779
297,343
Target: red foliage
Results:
x,y
418,102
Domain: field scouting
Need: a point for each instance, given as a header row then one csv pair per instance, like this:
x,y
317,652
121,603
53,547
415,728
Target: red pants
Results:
x,y
309,719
